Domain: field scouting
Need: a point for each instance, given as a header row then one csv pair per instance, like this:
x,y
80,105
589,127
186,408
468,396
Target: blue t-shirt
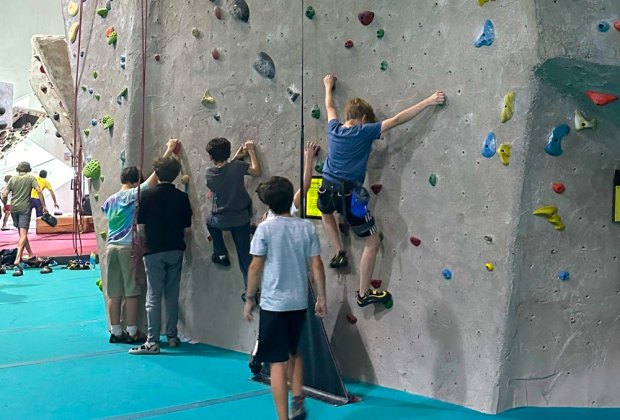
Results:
x,y
120,209
348,150
287,243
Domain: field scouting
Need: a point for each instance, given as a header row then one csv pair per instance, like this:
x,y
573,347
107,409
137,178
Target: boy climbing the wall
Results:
x,y
121,282
344,171
284,248
232,205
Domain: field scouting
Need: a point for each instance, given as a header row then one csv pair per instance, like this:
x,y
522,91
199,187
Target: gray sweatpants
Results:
x,y
163,276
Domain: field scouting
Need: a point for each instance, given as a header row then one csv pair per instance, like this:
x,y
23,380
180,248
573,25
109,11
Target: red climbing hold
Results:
x,y
348,43
558,187
415,241
600,98
376,283
351,318
617,25
366,17
157,57
218,12
215,54
376,188
209,238
177,148
42,69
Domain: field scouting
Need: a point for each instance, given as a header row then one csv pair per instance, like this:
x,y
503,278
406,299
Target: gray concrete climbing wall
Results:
x,y
467,340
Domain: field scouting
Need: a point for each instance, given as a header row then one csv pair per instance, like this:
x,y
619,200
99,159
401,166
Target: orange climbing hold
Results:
x,y
376,283
600,98
109,31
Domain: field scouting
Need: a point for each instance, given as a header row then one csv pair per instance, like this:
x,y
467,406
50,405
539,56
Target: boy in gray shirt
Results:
x,y
284,249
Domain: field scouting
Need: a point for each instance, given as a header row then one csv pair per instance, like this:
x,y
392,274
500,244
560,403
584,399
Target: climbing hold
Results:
x,y
483,2
264,65
87,132
617,25
600,98
108,4
383,66
292,92
42,69
215,54
351,318
73,30
432,179
550,213
316,112
97,96
217,117
581,123
239,10
96,197
207,98
93,122
108,122
157,57
46,270
366,17
376,188
310,12
56,116
92,169
195,32
376,283
103,235
73,8
558,187
123,62
415,241
84,88
102,179
95,74
554,144
348,43
218,12
447,274
109,31
487,35
81,55
489,147
564,275
123,93
509,103
603,26
380,33
319,166
91,90
58,134
489,266
504,153
103,12
112,38
185,179
43,88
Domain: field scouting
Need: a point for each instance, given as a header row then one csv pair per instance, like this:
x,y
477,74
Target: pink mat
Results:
x,y
50,245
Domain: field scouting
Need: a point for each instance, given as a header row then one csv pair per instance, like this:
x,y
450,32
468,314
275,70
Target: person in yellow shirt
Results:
x,y
35,200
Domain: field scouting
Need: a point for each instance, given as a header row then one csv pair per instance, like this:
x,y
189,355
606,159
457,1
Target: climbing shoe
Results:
x,y
2,270
18,271
114,339
339,260
220,259
146,348
46,270
174,341
299,409
255,365
372,296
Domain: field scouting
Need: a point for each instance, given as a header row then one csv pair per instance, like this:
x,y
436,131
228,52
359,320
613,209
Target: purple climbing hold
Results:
x,y
239,10
487,35
264,65
554,144
366,17
489,147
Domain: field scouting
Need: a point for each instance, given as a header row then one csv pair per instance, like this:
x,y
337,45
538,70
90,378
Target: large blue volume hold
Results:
x,y
487,36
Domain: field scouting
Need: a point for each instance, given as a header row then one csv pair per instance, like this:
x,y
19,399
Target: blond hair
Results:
x,y
357,108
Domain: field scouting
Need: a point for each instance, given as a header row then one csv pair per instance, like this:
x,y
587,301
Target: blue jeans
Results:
x,y
241,237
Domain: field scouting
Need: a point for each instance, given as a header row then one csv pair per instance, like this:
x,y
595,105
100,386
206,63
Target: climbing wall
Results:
x,y
459,183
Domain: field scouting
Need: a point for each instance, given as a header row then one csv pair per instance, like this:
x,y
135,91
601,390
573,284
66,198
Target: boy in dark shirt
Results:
x,y
163,215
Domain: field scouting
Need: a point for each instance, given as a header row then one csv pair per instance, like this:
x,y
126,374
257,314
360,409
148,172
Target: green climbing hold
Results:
x,y
207,98
97,96
112,38
108,122
84,88
432,180
195,32
310,12
380,33
102,179
95,74
104,235
92,169
381,236
99,284
123,93
319,166
103,12
383,66
86,131
316,112
96,197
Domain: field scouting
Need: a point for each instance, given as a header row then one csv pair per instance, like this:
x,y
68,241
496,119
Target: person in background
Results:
x,y
44,184
7,207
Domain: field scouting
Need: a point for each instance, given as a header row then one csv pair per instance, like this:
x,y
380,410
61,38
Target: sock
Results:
x,y
117,330
132,330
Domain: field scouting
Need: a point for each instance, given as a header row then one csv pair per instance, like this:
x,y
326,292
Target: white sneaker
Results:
x,y
146,348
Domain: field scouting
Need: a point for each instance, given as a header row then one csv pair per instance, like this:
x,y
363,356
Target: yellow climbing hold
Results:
x,y
509,106
207,98
73,30
483,2
551,214
73,8
504,153
489,266
581,123
185,179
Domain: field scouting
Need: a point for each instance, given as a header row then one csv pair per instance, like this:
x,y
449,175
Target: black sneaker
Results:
x,y
221,260
118,338
339,260
255,365
299,409
18,271
372,296
139,338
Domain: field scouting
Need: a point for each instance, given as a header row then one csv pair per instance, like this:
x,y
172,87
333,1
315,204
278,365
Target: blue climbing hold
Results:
x,y
93,122
487,35
564,275
91,90
447,274
602,26
489,147
554,144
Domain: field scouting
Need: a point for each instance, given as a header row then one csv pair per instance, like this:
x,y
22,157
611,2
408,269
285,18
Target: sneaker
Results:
x,y
135,339
339,260
146,348
299,409
118,338
371,296
18,271
255,366
174,341
221,260
2,270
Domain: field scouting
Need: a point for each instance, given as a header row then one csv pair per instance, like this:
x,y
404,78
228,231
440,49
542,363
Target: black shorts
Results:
x,y
279,334
336,196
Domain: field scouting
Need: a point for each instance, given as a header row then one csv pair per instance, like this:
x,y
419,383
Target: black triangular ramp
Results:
x,y
322,380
